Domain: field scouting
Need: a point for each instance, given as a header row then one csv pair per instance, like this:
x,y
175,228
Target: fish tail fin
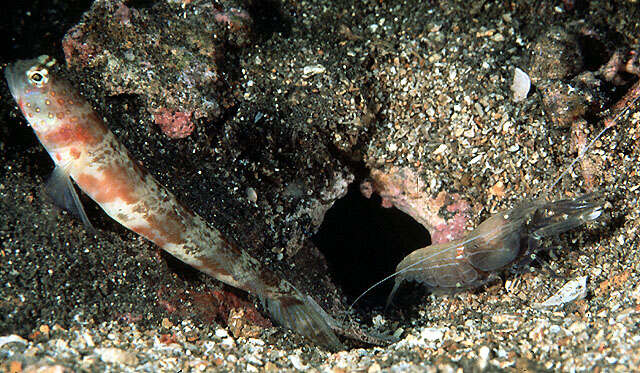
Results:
x,y
303,315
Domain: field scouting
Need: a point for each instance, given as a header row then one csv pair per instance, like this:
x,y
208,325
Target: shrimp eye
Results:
x,y
38,76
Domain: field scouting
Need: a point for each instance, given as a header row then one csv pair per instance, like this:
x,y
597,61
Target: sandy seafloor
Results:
x,y
418,86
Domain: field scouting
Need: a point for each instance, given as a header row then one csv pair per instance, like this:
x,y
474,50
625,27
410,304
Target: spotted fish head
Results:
x,y
58,114
32,86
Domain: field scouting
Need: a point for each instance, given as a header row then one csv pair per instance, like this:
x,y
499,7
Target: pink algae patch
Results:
x,y
234,18
446,216
123,14
453,229
210,306
76,49
175,124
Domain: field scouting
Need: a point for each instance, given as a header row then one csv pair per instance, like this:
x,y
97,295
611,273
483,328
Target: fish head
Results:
x,y
59,115
41,97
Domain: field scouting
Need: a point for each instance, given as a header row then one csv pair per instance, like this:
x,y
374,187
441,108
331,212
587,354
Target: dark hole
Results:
x,y
141,4
594,52
268,18
363,242
34,27
184,271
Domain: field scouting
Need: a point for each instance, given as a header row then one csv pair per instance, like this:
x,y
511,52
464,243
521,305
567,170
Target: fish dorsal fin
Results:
x,y
60,188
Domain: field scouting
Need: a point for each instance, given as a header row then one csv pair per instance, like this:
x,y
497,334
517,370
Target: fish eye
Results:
x,y
38,76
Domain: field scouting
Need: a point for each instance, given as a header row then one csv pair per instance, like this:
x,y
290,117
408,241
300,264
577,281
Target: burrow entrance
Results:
x,y
363,242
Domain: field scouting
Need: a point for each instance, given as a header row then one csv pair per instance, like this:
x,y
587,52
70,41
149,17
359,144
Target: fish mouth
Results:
x,y
16,79
10,77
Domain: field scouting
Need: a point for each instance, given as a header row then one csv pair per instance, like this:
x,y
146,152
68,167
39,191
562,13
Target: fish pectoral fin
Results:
x,y
60,188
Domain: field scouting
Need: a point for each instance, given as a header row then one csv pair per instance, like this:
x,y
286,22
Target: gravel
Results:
x,y
327,94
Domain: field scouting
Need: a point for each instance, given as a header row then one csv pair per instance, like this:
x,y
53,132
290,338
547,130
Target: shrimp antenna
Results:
x,y
586,148
375,285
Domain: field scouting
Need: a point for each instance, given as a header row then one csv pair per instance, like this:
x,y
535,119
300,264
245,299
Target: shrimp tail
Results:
x,y
293,310
560,216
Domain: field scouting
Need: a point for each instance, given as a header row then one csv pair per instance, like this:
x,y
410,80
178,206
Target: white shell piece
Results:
x,y
12,339
311,70
571,291
521,85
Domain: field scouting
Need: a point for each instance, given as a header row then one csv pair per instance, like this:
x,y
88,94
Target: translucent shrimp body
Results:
x,y
506,240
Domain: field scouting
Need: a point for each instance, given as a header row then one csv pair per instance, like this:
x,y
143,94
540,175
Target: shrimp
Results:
x,y
506,240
